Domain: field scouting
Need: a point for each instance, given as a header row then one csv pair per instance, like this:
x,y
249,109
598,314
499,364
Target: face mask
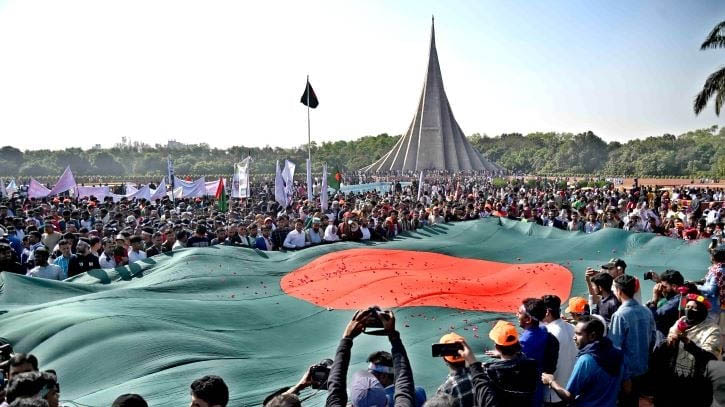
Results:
x,y
695,316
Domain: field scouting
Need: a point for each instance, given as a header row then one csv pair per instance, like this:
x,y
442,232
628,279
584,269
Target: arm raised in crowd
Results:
x,y
337,382
404,386
482,389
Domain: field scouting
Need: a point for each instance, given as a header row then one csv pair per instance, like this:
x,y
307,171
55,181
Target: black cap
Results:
x,y
614,263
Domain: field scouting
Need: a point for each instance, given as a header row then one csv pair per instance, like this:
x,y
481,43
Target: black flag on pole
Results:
x,y
310,96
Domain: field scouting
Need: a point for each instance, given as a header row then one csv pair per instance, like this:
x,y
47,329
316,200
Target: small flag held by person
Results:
x,y
221,196
334,179
309,98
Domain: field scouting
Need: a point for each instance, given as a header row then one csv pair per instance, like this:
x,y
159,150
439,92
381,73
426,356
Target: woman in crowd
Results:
x,y
680,361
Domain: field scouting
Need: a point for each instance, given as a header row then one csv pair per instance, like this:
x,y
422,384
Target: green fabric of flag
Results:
x,y
156,325
221,197
334,179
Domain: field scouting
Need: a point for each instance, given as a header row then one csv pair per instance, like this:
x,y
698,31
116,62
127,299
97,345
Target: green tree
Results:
x,y
10,159
715,83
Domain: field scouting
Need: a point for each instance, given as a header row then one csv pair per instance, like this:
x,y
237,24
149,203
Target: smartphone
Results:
x,y
445,349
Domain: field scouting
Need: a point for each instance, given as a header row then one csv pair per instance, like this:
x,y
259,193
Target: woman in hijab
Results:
x,y
681,360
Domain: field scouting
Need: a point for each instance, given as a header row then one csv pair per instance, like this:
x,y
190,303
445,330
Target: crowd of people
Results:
x,y
61,237
608,349
611,348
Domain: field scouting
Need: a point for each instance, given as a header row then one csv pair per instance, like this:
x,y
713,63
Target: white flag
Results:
x,y
171,174
420,186
65,182
240,183
323,190
288,176
309,180
160,191
279,192
12,187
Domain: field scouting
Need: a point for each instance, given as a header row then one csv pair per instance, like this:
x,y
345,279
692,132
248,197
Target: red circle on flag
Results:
x,y
359,278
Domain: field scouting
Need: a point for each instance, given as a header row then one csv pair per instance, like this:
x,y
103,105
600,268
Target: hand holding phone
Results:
x,y
446,349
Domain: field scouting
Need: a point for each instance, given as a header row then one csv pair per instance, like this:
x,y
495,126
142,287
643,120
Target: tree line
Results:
x,y
698,153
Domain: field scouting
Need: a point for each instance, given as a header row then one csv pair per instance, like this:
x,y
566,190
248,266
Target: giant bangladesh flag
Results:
x,y
259,319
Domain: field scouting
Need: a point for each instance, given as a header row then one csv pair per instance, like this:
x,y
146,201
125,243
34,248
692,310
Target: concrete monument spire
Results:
x,y
434,140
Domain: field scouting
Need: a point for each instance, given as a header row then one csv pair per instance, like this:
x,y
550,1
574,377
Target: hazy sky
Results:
x,y
78,73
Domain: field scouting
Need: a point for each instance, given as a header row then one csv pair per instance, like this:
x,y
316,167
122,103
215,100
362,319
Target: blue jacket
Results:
x,y
261,245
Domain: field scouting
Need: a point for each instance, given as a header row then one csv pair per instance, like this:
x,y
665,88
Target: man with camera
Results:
x,y
336,383
458,384
665,303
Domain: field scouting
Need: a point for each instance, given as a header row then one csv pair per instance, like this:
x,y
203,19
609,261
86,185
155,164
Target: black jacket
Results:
x,y
513,381
483,390
80,264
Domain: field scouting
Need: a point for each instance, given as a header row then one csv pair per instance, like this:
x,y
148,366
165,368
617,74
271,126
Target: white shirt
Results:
x,y
564,333
133,256
365,233
294,240
51,272
107,262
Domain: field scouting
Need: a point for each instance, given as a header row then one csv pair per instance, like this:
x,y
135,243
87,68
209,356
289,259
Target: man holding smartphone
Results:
x,y
336,383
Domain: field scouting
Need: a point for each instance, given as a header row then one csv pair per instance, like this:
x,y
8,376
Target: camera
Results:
x,y
648,275
319,374
373,320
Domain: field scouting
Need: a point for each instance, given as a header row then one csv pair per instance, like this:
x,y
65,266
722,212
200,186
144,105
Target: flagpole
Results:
x,y
309,139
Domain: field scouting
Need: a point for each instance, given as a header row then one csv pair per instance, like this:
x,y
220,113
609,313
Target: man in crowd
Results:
x,y
136,253
536,342
7,261
221,237
43,269
34,241
515,377
665,303
314,234
295,239
83,260
50,236
596,377
458,383
280,233
209,391
633,331
380,365
363,391
602,301
157,245
106,260
564,334
63,260
200,239
263,242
